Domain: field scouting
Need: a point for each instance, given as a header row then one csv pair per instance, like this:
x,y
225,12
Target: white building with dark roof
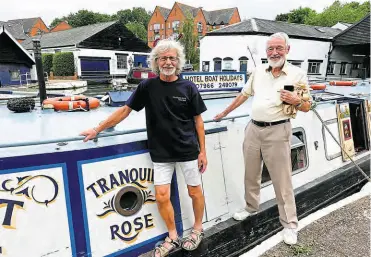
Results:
x,y
241,46
101,50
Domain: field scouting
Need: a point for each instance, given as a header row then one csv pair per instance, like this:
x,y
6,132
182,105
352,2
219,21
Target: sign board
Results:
x,y
34,211
217,81
108,230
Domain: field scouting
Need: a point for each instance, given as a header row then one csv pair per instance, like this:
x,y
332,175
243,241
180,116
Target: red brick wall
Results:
x,y
156,18
61,26
39,25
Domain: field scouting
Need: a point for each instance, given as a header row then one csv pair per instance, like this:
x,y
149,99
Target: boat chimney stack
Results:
x,y
39,69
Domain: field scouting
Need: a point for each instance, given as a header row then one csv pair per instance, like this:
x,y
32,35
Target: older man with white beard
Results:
x,y
176,135
268,135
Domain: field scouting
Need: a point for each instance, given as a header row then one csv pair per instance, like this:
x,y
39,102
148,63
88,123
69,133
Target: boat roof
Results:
x,y
42,125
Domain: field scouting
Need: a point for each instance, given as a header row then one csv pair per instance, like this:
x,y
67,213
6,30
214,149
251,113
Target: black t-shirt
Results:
x,y
170,109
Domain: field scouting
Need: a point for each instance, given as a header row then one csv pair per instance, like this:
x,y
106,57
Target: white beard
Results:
x,y
276,64
167,72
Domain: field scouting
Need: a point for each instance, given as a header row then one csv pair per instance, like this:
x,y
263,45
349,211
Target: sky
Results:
x,y
48,10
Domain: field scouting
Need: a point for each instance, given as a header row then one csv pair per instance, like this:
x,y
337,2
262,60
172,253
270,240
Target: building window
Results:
x,y
163,26
217,64
15,74
314,66
199,27
356,66
243,63
227,63
331,68
150,27
343,68
299,155
156,27
264,61
176,25
205,66
295,63
122,61
168,25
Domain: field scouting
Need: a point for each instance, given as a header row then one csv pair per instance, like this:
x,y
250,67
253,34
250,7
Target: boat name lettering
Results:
x,y
10,212
135,226
134,175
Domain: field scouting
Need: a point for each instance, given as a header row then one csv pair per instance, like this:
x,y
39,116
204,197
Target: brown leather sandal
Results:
x,y
163,251
194,242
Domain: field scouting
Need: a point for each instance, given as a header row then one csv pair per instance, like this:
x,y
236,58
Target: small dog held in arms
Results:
x,y
302,91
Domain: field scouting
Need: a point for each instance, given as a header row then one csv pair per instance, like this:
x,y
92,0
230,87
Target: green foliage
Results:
x,y
282,17
189,40
85,17
300,15
47,60
337,12
138,30
63,64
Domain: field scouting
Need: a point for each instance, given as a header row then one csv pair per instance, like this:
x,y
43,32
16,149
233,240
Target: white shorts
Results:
x,y
163,172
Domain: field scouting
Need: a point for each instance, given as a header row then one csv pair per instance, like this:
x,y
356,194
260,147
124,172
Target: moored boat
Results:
x,y
69,198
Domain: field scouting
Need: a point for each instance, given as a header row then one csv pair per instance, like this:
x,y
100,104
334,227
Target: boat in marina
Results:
x,y
62,197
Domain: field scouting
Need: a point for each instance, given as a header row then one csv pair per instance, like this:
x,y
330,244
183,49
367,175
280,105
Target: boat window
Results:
x,y
332,149
299,156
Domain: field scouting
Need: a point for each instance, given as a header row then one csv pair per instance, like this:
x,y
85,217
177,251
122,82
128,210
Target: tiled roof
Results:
x,y
69,37
357,34
27,23
164,11
15,29
219,16
261,26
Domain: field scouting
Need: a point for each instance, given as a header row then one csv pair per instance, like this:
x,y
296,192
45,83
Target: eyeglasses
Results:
x,y
171,58
278,49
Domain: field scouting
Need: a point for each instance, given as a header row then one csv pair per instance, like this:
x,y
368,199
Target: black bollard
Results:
x,y
39,69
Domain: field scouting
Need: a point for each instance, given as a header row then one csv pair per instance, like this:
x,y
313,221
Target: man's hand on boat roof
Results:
x,y
220,116
89,134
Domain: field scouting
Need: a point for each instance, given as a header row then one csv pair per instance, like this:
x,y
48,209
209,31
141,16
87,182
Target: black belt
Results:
x,y
266,124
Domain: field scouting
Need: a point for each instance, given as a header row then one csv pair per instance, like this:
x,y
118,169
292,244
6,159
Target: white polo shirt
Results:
x,y
267,105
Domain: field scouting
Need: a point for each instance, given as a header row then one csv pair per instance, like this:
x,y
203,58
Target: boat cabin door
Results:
x,y
345,130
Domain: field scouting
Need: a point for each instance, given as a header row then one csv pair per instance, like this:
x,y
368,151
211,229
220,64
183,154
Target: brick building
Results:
x,y
166,23
21,29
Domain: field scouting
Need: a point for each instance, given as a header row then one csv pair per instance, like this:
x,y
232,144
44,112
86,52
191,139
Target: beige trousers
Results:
x,y
271,143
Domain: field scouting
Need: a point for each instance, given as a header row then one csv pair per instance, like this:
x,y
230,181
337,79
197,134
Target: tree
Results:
x,y
300,15
189,39
282,17
138,30
138,14
83,18
338,12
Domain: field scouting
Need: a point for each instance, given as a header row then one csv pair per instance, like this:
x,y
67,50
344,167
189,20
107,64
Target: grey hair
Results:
x,y
164,46
280,35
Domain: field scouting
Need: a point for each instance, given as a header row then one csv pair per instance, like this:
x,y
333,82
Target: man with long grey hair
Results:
x,y
268,135
176,137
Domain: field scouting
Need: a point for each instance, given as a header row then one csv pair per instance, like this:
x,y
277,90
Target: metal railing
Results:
x,y
101,135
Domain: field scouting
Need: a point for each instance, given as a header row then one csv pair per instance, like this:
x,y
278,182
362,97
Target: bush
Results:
x,y
64,64
47,60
